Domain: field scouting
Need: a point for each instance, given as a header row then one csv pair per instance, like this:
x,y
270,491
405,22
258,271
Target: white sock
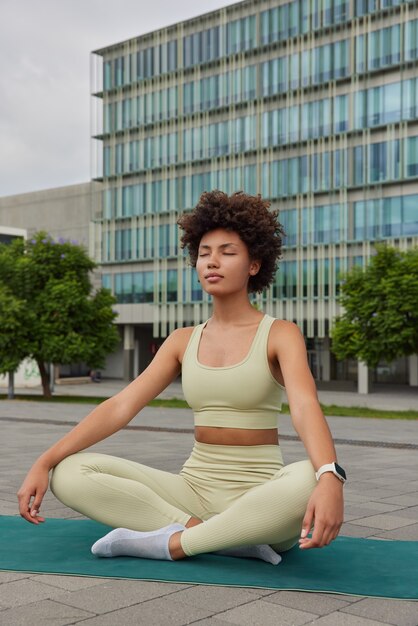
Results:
x,y
125,542
263,552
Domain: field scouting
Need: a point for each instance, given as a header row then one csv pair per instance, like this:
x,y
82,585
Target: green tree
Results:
x,y
13,337
48,310
380,308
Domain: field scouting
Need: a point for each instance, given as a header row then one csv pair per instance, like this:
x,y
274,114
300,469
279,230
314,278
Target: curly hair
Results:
x,y
249,217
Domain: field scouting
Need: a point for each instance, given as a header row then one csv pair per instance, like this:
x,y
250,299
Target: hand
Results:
x,y
34,486
325,511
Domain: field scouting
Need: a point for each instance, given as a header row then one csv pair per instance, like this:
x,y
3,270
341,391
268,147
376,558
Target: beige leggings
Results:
x,y
243,494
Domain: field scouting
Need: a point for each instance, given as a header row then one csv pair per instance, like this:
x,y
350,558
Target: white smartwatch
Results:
x,y
336,469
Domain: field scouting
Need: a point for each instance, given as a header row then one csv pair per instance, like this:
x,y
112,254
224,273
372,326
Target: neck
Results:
x,y
233,310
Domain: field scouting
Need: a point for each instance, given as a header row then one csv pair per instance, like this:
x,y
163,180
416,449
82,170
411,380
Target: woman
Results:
x,y
234,493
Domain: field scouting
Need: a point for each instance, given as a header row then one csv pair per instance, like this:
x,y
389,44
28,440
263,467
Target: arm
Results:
x,y
106,419
325,506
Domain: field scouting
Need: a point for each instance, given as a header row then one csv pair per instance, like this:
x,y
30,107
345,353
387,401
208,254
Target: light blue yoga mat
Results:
x,y
364,567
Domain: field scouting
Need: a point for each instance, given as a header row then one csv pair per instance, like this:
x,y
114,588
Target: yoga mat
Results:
x,y
363,567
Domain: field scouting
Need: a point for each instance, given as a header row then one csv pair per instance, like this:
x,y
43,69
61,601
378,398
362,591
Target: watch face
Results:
x,y
340,471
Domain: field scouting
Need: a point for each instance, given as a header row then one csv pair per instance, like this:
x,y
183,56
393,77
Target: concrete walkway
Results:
x,y
389,397
381,502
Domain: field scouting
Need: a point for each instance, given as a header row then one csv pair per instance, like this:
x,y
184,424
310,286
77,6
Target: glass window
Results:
x,y
410,215
172,55
360,60
107,166
289,221
340,105
126,244
378,161
341,58
197,292
126,293
107,281
392,217
359,220
149,286
411,40
304,174
119,154
358,165
411,165
360,108
171,285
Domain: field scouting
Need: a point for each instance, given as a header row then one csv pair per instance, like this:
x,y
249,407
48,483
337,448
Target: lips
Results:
x,y
213,278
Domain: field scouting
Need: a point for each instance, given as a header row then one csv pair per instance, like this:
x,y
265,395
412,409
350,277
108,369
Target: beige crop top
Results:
x,y
245,395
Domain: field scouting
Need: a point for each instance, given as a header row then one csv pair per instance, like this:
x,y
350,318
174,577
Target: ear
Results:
x,y
254,267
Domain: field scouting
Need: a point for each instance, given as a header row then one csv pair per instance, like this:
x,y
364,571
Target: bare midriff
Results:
x,y
236,436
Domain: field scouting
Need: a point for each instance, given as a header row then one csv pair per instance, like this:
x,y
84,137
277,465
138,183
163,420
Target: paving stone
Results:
x,y
343,619
375,493
410,499
70,583
159,612
397,612
214,621
356,497
8,577
260,592
213,598
24,591
352,530
407,533
8,508
320,604
411,512
265,613
343,596
371,507
116,594
41,613
385,522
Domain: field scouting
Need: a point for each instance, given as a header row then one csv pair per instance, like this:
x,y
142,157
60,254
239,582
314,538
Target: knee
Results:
x,y
64,477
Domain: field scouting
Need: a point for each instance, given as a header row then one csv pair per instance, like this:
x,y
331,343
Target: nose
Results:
x,y
212,261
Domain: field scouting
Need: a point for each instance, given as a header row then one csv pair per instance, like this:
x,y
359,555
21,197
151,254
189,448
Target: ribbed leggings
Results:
x,y
243,494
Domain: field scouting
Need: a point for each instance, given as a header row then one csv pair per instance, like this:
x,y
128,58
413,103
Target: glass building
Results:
x,y
311,103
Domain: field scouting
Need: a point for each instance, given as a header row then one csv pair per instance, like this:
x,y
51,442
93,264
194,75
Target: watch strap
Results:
x,y
330,467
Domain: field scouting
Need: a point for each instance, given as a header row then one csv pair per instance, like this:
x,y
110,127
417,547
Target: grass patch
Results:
x,y
364,411
175,403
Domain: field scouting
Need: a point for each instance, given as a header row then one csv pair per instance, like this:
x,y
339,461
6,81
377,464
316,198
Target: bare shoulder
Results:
x,y
286,336
286,329
179,339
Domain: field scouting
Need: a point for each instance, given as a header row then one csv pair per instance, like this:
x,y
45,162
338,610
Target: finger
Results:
x,y
27,516
316,540
322,536
35,516
37,501
25,508
307,523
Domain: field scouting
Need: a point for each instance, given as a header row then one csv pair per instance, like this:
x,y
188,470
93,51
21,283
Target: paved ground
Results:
x,y
381,502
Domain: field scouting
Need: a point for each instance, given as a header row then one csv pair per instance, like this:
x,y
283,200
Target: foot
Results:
x,y
263,552
125,542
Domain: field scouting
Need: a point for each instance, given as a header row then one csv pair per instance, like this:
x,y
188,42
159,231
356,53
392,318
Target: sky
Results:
x,y
45,100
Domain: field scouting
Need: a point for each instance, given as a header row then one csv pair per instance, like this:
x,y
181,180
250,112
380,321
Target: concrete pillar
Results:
x,y
128,351
413,370
136,358
326,360
363,378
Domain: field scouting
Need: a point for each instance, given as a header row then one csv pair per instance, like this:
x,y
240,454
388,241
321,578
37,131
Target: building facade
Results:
x,y
311,103
63,212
